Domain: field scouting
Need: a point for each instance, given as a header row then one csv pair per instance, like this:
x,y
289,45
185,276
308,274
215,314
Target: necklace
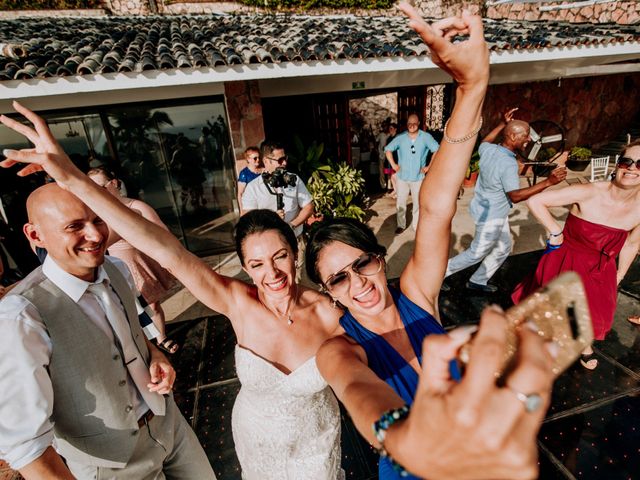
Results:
x,y
289,310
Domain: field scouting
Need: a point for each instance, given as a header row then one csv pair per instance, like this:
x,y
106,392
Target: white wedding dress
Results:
x,y
285,427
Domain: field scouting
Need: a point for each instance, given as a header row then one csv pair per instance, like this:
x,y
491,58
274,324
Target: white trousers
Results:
x,y
402,190
491,245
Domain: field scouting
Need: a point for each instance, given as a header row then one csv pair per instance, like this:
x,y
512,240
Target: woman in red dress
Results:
x,y
603,223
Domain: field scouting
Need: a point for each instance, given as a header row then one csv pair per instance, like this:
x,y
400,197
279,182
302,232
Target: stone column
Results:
x,y
245,116
129,7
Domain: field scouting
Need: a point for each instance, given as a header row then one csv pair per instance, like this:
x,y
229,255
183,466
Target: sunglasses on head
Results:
x,y
626,162
366,264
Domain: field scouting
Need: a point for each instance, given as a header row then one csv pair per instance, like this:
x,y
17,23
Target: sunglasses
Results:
x,y
279,160
413,149
256,157
626,162
366,264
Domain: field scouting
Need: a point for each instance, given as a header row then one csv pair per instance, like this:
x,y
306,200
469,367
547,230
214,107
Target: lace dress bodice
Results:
x,y
285,426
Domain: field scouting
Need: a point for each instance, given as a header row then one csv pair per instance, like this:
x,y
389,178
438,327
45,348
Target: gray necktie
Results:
x,y
138,371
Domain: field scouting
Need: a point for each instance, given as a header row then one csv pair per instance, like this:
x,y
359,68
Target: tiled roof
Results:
x,y
80,46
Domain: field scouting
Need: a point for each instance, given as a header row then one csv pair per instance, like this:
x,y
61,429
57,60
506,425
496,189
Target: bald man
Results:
x,y
412,147
79,379
497,189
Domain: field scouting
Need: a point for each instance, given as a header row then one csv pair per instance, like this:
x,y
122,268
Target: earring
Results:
x,y
613,175
334,303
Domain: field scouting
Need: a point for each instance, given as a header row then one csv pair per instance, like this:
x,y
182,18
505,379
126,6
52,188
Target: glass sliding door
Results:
x,y
179,160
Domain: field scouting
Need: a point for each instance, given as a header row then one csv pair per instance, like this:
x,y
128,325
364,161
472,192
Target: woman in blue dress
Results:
x,y
375,366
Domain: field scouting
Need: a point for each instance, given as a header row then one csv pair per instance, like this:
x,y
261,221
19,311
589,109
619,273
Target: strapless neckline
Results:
x,y
270,364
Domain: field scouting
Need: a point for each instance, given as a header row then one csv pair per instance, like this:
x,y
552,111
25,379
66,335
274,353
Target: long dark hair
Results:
x,y
259,221
345,230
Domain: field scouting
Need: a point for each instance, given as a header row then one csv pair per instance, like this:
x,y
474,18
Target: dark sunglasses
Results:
x,y
366,264
255,157
413,149
626,162
279,160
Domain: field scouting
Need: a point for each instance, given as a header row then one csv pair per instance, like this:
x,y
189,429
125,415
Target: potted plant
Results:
x,y
579,159
472,171
338,191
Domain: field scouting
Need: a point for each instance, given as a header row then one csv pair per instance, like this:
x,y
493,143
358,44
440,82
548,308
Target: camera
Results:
x,y
280,178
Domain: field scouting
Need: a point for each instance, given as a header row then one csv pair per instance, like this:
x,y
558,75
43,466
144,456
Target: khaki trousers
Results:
x,y
167,448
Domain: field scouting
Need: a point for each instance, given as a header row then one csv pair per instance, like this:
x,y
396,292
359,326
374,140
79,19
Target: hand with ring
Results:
x,y
456,430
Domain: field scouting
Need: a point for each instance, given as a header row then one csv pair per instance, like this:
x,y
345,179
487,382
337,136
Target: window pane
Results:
x,y
178,159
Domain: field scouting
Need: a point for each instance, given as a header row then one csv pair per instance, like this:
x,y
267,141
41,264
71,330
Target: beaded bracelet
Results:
x,y
380,427
555,234
466,138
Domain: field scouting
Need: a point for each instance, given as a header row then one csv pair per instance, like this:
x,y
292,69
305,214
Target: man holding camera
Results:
x,y
279,190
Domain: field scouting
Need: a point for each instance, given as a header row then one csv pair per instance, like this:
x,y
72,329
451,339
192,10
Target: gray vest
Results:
x,y
93,421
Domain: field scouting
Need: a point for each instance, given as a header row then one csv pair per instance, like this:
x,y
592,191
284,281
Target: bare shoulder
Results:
x,y
340,348
321,308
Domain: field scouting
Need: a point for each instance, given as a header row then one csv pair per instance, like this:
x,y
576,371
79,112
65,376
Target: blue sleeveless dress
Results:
x,y
388,364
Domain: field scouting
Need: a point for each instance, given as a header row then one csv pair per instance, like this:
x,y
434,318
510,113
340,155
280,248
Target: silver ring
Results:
x,y
531,402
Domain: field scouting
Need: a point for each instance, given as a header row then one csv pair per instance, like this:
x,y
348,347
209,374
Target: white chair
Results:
x,y
599,168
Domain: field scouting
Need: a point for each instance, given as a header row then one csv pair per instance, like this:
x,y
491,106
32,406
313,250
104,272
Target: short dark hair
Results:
x,y
345,230
251,149
268,146
259,221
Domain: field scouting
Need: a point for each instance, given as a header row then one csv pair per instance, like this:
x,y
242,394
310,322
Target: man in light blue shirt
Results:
x,y
412,148
497,189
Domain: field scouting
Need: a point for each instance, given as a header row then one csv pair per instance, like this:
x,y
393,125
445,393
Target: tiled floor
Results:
x,y
592,430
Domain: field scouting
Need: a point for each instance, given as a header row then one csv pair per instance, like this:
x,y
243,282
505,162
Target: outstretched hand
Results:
x,y
508,114
455,430
465,61
47,155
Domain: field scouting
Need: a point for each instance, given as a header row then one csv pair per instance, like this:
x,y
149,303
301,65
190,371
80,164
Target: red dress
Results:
x,y
590,249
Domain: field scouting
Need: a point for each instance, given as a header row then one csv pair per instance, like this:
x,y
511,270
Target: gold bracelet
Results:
x,y
466,138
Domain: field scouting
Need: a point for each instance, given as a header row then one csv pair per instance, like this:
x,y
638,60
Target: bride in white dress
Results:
x,y
287,422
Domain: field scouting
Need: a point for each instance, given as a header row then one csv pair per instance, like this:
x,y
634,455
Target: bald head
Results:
x,y
516,135
71,232
516,127
45,199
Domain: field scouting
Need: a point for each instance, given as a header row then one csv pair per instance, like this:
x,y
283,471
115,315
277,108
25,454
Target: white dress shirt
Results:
x,y
256,195
26,393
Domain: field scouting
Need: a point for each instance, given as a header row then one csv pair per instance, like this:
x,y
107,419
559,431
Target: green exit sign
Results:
x,y
357,85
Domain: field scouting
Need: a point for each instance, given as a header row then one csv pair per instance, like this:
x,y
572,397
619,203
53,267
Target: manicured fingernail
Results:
x,y
463,334
7,151
553,348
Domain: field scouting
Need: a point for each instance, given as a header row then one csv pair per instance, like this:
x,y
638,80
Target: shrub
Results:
x,y
580,153
47,4
310,4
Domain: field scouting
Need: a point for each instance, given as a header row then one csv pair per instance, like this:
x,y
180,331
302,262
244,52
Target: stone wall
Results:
x,y
624,12
592,110
620,11
375,110
244,108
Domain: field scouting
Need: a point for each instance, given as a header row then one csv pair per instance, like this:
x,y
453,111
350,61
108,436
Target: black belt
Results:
x,y
146,418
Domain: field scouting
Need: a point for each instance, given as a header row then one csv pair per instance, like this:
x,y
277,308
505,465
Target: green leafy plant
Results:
x,y
580,153
306,160
474,164
338,191
310,4
47,4
546,154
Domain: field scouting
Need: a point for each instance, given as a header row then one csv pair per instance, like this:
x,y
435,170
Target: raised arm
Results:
x,y
215,291
506,118
628,253
468,63
539,206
